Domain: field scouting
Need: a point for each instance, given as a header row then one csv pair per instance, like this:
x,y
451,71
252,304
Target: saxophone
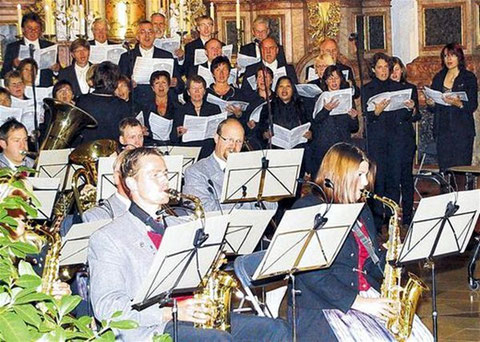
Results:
x,y
406,298
217,285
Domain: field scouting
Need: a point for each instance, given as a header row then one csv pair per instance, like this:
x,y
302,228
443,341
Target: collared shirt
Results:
x,y
123,199
152,224
273,66
105,43
222,163
81,73
35,43
146,53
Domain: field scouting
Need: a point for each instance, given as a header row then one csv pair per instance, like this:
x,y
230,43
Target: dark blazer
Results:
x,y
207,109
252,69
250,50
11,52
344,69
190,55
335,287
68,74
92,42
107,110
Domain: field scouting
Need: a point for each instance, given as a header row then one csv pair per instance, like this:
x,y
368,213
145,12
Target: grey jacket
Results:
x,y
28,162
111,208
119,257
196,183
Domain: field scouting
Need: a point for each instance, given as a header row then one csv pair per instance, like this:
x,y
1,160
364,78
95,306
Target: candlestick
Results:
x,y
237,8
212,11
19,19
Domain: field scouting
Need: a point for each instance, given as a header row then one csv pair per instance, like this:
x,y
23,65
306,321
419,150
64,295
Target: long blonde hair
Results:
x,y
340,166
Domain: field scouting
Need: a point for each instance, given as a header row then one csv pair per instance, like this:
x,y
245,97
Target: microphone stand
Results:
x,y
354,37
267,92
31,49
126,45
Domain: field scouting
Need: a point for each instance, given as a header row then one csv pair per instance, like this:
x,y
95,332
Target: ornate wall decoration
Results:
x,y
324,21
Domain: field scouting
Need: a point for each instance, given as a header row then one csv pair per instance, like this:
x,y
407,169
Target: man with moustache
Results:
x,y
204,179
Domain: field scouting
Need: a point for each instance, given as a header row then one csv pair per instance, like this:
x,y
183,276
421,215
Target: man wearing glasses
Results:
x,y
32,30
204,179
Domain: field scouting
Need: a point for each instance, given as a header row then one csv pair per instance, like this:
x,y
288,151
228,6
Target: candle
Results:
x,y
48,17
19,19
237,7
182,22
81,19
212,11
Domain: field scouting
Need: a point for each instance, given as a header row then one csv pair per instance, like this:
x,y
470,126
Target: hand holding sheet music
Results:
x,y
439,97
144,67
102,53
397,99
288,139
201,127
223,104
343,96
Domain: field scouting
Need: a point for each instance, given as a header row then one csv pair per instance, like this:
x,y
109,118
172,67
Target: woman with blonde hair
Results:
x,y
342,302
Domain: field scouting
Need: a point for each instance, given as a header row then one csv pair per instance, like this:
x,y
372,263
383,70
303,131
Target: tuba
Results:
x,y
217,285
406,299
87,155
67,121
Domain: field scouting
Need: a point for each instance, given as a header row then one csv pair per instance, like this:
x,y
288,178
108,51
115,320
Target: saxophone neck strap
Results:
x,y
367,243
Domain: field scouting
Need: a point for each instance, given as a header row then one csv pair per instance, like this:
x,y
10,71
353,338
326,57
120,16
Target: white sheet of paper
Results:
x,y
308,90
105,183
54,164
160,127
181,99
232,78
397,99
291,235
344,96
10,112
255,115
243,61
75,242
28,113
144,67
200,57
206,74
41,92
312,74
45,183
223,103
438,96
45,57
227,51
201,127
346,74
189,153
168,44
174,165
46,199
280,72
102,53
252,81
288,139
141,118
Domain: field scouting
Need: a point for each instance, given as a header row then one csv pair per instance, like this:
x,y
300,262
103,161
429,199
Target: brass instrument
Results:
x,y
406,298
67,121
217,285
87,155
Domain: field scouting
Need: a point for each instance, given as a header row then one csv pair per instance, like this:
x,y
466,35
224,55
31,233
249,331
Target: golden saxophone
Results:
x,y
217,285
406,298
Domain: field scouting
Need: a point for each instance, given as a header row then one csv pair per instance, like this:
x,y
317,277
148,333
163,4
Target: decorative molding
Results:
x,y
324,18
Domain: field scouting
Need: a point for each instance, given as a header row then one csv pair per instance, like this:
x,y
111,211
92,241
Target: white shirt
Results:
x,y
273,66
97,43
35,43
222,163
146,53
81,73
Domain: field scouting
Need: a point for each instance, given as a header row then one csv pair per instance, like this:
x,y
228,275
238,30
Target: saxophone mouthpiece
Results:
x,y
28,154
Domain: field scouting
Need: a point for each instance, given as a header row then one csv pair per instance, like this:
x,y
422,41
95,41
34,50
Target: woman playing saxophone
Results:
x,y
343,301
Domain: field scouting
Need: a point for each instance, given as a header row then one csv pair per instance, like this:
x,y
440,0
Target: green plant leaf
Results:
x,y
67,320
67,304
25,247
83,324
108,336
124,324
72,335
57,335
9,221
13,328
32,297
4,299
47,325
25,268
29,281
162,338
28,313
117,314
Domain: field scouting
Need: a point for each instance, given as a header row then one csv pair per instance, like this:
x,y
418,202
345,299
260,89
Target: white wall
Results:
x,y
405,30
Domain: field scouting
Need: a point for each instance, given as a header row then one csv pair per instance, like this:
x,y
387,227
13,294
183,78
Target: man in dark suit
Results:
x,y
159,22
270,59
143,94
76,73
205,31
100,32
213,49
32,30
260,31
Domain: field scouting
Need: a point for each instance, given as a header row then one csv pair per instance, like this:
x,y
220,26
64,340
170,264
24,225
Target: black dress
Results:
x,y
454,127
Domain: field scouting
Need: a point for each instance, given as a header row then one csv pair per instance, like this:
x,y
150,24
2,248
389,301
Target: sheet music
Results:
x,y
168,44
223,103
308,90
45,183
292,234
346,74
144,67
105,182
200,57
140,118
312,74
201,127
28,113
10,112
252,81
232,78
181,99
243,61
280,72
397,99
288,139
189,154
175,251
160,127
227,51
255,115
47,200
438,96
45,57
41,92
75,242
206,74
102,53
344,96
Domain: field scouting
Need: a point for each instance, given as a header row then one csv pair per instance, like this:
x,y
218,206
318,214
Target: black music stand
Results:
x,y
186,255
442,226
304,241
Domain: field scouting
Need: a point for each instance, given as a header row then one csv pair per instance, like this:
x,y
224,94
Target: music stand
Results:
x,y
185,256
261,175
300,243
442,226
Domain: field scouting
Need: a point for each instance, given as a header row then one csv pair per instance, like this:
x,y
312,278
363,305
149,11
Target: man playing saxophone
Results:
x,y
121,253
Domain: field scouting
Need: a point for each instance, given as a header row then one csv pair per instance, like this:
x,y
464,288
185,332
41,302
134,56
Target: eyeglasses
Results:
x,y
232,141
32,29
